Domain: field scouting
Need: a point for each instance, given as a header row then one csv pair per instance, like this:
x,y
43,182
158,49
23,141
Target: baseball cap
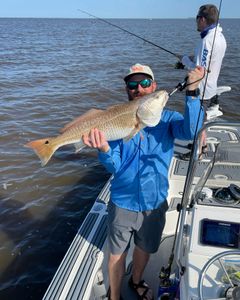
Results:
x,y
138,68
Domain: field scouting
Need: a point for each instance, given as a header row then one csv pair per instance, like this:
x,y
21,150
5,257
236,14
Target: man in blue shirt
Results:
x,y
139,187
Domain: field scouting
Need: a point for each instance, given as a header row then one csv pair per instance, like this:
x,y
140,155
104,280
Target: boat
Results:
x,y
199,254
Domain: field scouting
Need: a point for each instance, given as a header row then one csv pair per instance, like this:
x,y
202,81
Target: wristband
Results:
x,y
194,93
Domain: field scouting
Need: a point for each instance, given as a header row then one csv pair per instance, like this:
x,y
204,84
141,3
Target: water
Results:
x,y
52,70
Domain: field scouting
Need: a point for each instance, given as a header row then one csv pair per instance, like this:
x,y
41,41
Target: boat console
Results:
x,y
216,233
209,252
224,196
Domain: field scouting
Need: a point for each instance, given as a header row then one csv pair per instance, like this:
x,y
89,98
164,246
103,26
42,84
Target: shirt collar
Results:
x,y
206,30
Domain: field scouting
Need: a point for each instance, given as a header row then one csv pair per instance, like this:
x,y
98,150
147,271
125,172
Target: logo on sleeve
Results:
x,y
204,58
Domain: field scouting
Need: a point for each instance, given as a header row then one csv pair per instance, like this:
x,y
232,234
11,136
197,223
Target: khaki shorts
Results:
x,y
145,227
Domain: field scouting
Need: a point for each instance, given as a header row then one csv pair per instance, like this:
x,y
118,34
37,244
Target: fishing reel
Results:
x,y
168,287
179,66
180,87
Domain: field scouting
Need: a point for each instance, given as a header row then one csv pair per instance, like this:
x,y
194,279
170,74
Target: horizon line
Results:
x,y
137,18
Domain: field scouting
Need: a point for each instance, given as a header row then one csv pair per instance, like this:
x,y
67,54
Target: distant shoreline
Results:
x,y
150,19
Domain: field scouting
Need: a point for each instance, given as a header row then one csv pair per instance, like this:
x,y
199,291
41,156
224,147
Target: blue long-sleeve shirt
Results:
x,y
140,166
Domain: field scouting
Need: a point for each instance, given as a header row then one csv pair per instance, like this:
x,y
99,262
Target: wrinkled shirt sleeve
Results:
x,y
184,127
111,159
188,63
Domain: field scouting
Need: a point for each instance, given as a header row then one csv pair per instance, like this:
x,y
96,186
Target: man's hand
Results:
x,y
194,78
96,139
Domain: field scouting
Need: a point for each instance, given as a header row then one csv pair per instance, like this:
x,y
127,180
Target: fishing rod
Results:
x,y
210,58
166,272
182,85
129,32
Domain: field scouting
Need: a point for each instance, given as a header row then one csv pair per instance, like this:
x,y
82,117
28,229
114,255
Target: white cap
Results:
x,y
138,68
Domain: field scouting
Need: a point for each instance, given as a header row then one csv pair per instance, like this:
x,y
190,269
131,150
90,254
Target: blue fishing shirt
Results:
x,y
140,165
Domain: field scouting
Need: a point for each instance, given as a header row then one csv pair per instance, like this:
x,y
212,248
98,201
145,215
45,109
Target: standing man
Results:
x,y
209,54
139,187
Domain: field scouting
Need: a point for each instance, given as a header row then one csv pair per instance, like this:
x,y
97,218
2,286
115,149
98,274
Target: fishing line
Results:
x,y
182,85
129,32
166,272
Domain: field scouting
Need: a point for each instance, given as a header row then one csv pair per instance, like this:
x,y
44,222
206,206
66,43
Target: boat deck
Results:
x,y
80,275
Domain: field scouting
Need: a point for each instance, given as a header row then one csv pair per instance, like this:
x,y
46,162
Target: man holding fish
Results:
x,y
140,164
135,140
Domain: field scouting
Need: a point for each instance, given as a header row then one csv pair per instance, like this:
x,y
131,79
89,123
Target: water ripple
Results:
x,y
52,71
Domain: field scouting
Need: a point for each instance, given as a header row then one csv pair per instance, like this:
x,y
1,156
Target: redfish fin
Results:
x,y
79,146
43,148
89,114
132,134
136,129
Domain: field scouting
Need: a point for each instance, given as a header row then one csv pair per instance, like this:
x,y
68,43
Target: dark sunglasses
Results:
x,y
145,83
198,17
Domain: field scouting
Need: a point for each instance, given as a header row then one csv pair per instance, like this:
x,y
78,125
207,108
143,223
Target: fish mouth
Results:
x,y
150,110
136,97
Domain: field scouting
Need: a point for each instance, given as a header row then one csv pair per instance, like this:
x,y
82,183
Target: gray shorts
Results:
x,y
145,227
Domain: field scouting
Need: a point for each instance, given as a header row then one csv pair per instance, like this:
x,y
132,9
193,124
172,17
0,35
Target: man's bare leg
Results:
x,y
140,260
203,144
116,269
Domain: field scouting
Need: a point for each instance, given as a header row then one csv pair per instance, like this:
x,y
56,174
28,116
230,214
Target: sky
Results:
x,y
113,8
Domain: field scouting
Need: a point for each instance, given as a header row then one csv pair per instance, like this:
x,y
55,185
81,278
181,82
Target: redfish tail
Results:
x,y
44,148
